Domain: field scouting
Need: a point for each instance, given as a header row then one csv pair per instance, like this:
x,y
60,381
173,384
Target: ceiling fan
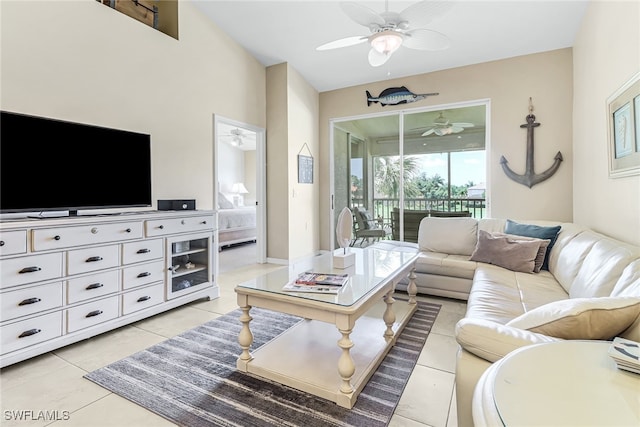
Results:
x,y
390,30
236,137
442,126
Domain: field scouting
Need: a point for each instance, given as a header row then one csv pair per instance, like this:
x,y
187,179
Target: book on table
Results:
x,y
324,283
626,354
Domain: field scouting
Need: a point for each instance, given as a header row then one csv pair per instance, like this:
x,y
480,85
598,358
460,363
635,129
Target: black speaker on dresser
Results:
x,y
177,205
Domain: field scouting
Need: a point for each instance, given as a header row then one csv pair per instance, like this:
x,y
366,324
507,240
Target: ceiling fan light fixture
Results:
x,y
236,141
386,42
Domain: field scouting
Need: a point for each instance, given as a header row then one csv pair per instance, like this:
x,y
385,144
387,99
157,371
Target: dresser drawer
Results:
x,y
30,300
145,250
13,242
31,331
161,227
96,285
142,274
64,237
92,259
30,269
142,298
92,313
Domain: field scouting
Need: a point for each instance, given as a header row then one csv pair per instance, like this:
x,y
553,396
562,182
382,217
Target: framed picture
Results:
x,y
623,118
305,169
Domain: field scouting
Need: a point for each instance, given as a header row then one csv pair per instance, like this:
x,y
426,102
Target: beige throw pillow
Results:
x,y
542,250
503,250
600,318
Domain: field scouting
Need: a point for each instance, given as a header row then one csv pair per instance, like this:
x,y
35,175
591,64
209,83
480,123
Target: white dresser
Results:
x,y
63,280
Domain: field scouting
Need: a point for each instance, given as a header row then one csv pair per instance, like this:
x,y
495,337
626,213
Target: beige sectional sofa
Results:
x,y
591,290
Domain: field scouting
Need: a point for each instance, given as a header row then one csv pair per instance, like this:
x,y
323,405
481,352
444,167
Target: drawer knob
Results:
x,y
94,313
161,227
145,274
94,259
94,286
203,222
29,270
94,230
1,242
128,230
144,298
29,333
183,222
29,301
143,251
56,237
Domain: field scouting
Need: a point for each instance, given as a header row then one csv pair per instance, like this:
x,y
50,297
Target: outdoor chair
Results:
x,y
366,227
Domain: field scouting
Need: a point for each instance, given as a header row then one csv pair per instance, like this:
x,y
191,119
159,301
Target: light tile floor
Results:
x,y
54,381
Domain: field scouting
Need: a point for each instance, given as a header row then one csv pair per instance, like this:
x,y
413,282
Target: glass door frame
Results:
x,y
401,113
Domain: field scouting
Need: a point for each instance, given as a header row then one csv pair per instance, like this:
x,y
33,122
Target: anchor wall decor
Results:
x,y
530,178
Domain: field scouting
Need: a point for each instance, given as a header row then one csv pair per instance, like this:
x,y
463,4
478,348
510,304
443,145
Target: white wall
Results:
x,y
230,167
82,61
606,54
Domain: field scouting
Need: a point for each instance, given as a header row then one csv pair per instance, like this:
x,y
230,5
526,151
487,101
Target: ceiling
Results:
x,y
479,31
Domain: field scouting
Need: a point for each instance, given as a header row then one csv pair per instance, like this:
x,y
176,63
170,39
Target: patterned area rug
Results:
x,y
191,379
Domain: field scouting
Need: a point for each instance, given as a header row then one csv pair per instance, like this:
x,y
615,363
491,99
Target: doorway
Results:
x,y
240,192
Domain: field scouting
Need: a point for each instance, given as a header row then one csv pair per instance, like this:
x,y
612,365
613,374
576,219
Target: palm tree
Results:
x,y
387,176
433,187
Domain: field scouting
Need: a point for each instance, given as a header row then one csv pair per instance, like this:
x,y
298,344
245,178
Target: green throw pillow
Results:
x,y
539,232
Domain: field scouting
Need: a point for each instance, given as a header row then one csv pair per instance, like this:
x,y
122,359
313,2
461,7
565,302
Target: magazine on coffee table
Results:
x,y
323,283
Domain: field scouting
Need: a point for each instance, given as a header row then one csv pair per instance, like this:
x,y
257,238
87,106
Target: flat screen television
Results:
x,y
55,165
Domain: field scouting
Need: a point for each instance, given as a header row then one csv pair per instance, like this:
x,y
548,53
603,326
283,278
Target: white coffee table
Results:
x,y
344,337
565,383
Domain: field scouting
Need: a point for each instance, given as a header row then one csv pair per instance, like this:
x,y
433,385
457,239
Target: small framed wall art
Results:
x,y
305,167
623,119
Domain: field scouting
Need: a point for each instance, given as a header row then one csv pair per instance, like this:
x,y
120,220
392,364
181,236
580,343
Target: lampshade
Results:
x,y
386,41
239,188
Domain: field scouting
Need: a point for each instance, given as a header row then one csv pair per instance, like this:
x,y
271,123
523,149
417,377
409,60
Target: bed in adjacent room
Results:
x,y
235,224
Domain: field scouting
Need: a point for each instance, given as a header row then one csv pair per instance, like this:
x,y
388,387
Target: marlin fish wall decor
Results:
x,y
530,178
395,96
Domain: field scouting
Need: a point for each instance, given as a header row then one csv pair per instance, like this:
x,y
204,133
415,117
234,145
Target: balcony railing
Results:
x,y
382,208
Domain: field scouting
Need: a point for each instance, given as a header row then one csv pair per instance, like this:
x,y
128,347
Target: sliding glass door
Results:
x,y
404,166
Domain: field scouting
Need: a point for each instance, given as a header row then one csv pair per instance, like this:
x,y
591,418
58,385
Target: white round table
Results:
x,y
564,383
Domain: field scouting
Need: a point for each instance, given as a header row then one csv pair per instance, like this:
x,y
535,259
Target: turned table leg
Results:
x,y
412,289
389,316
245,338
346,366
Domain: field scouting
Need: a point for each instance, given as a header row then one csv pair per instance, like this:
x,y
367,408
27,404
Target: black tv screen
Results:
x,y
54,165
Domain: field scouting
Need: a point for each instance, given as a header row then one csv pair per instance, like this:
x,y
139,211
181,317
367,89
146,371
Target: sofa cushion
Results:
x,y
539,232
509,251
602,266
581,318
492,341
629,282
445,265
501,295
455,236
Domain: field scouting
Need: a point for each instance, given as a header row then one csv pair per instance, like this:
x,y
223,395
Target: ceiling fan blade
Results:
x,y
376,58
463,125
362,14
347,41
423,39
422,13
429,132
456,129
